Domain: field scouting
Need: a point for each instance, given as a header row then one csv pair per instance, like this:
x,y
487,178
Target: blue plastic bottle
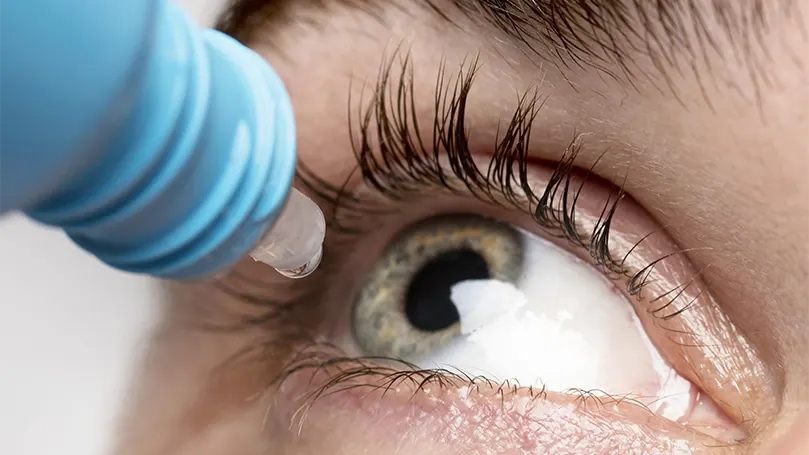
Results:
x,y
157,146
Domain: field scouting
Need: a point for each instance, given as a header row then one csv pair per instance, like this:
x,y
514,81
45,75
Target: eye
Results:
x,y
547,291
481,296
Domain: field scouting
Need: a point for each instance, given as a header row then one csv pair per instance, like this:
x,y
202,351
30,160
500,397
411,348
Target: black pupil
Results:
x,y
428,305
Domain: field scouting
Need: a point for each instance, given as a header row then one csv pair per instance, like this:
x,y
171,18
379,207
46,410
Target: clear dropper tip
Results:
x,y
294,244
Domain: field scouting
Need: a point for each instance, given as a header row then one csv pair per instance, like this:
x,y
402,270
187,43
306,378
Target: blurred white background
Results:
x,y
71,332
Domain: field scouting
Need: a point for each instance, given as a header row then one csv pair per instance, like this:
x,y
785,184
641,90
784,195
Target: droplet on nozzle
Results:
x,y
305,269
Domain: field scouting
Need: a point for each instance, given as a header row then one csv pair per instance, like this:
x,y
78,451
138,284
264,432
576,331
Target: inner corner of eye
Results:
x,y
485,297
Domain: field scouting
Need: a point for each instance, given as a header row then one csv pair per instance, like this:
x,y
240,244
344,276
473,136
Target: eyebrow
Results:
x,y
606,35
674,35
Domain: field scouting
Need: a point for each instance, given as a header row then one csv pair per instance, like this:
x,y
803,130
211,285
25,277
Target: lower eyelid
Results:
x,y
386,406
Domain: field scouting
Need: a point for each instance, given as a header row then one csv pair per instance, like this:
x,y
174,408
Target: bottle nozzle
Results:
x,y
294,244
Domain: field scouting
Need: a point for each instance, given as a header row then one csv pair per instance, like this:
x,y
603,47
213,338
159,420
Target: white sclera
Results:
x,y
564,326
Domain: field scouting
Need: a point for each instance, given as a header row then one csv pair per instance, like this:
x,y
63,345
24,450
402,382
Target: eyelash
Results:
x,y
397,165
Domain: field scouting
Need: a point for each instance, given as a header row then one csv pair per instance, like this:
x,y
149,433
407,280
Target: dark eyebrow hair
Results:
x,y
674,35
606,35
593,33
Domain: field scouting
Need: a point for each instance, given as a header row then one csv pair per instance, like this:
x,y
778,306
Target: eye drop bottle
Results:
x,y
157,146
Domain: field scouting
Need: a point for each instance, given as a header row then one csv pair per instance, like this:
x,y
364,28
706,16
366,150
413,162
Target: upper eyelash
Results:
x,y
395,162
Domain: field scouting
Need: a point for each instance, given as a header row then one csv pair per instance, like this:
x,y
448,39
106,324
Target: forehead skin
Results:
x,y
714,144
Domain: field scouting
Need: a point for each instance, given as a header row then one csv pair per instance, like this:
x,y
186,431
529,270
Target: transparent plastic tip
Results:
x,y
294,244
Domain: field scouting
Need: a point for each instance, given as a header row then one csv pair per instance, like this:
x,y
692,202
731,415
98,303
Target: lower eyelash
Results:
x,y
369,374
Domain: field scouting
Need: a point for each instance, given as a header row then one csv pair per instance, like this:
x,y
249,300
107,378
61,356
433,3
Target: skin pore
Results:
x,y
701,108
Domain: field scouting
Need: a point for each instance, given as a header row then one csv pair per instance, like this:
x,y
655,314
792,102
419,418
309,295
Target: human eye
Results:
x,y
474,295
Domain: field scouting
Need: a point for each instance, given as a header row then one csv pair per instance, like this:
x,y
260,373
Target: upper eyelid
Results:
x,y
391,155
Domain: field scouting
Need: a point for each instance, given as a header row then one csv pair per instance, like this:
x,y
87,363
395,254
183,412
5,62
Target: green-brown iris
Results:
x,y
404,309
